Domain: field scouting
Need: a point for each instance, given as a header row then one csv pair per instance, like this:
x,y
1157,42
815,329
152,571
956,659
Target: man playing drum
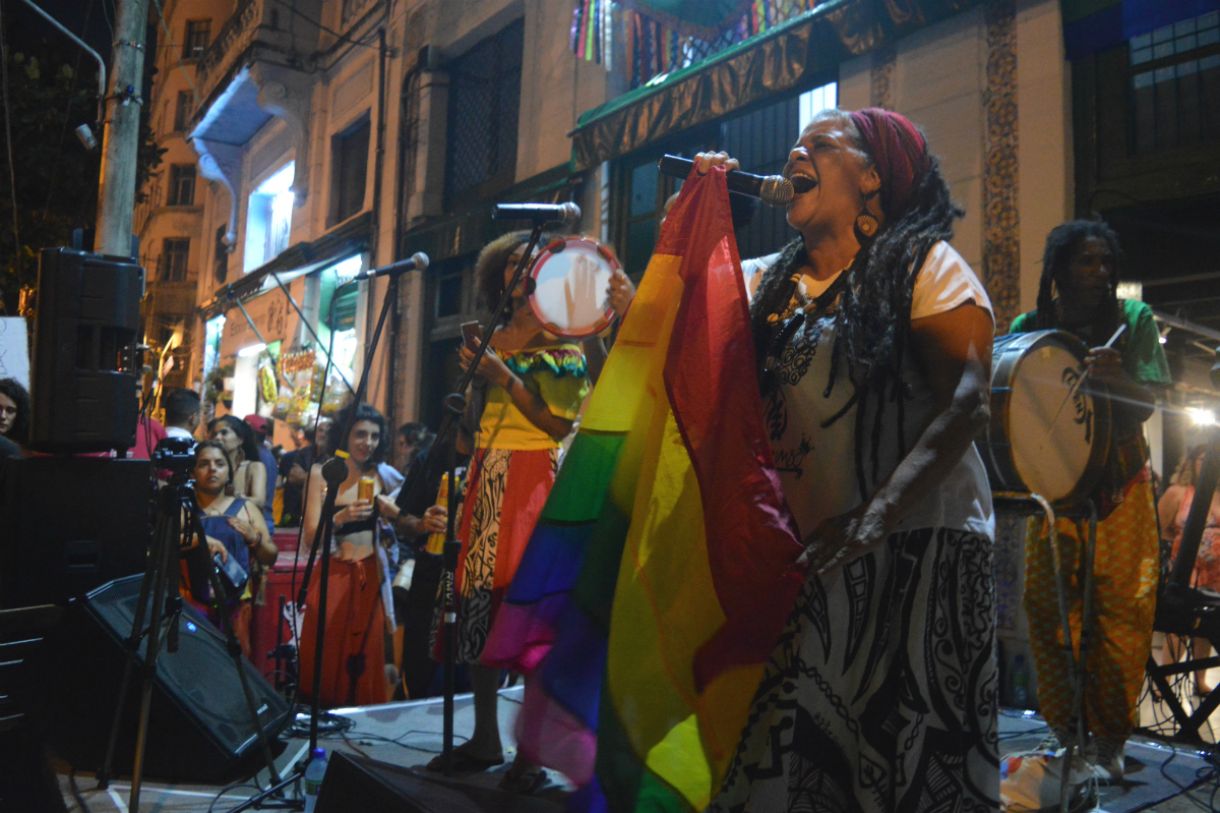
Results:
x,y
1078,294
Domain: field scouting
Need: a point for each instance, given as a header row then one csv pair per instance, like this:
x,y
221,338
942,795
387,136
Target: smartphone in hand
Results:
x,y
471,333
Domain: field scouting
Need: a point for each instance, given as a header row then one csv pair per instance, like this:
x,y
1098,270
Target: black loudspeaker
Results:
x,y
355,783
199,728
71,524
85,375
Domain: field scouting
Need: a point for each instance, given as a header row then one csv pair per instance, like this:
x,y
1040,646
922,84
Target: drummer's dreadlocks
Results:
x,y
872,320
1061,243
489,267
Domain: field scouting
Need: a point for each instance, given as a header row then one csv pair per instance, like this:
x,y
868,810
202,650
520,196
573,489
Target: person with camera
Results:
x,y
235,533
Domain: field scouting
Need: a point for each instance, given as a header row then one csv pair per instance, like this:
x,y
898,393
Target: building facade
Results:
x,y
335,136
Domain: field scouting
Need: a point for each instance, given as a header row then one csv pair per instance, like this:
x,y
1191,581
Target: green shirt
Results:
x,y
1143,357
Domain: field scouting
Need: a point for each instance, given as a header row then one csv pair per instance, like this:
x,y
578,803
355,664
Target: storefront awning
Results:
x,y
350,238
790,56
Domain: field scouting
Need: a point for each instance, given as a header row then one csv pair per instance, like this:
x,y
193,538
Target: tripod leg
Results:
x,y
151,575
160,584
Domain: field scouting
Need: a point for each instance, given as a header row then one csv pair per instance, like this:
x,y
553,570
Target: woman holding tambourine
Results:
x,y
535,384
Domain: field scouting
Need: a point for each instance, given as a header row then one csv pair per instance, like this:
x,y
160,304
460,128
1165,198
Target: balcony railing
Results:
x,y
232,39
352,9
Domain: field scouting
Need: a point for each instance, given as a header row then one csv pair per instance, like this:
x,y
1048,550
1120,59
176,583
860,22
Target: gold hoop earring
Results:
x,y
866,225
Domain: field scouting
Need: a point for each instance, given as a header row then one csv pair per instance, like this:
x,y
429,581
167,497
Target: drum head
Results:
x,y
571,280
1052,442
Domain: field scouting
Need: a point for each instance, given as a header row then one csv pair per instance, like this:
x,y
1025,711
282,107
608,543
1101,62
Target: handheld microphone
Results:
x,y
537,212
773,190
417,262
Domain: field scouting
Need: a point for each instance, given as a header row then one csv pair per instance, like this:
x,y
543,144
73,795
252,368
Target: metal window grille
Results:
x,y
181,185
195,42
349,170
1175,84
484,98
175,252
182,111
221,260
760,139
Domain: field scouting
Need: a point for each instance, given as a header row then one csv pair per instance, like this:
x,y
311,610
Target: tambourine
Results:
x,y
571,287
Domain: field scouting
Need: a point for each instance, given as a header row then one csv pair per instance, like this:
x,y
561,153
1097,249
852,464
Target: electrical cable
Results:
x,y
63,130
341,37
8,141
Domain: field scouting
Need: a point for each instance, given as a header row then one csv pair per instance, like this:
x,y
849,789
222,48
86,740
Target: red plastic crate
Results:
x,y
267,624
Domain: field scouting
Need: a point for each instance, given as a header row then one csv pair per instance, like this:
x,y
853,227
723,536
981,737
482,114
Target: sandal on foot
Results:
x,y
523,779
461,761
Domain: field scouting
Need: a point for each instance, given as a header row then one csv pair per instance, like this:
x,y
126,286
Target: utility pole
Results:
x,y
121,134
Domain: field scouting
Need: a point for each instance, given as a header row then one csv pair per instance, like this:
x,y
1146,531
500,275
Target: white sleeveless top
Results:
x,y
817,464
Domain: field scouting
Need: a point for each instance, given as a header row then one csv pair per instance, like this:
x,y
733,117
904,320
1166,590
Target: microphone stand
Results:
x,y
334,472
455,405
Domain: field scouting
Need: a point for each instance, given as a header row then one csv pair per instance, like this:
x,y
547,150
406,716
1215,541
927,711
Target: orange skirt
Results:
x,y
353,660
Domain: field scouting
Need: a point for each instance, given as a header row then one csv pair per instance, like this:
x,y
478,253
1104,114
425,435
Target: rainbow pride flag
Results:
x,y
663,566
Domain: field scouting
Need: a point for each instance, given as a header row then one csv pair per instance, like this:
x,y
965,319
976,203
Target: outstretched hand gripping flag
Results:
x,y
664,564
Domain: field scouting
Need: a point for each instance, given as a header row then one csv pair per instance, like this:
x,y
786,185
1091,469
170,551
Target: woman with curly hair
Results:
x,y
14,411
1078,293
535,385
353,666
873,340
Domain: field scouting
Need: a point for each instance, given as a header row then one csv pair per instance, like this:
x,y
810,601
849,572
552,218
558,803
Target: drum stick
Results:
x,y
1076,384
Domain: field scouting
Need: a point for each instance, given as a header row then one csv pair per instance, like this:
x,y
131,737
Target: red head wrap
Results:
x,y
899,152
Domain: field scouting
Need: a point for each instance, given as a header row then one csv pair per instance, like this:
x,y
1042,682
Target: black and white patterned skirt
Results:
x,y
881,694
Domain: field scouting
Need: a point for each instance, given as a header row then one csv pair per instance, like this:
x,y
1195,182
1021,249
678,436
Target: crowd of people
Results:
x,y
873,340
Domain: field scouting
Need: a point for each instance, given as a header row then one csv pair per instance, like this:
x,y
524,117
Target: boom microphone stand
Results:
x,y
334,472
455,406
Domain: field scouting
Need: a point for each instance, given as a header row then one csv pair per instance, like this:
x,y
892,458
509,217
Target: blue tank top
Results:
x,y
218,527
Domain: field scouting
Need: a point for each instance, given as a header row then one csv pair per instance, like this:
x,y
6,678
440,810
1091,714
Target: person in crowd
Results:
x,y
1078,293
1172,510
295,466
249,475
873,340
356,614
182,411
413,440
14,411
416,515
149,433
263,429
535,386
233,528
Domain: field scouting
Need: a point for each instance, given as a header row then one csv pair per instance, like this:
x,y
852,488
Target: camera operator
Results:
x,y
235,531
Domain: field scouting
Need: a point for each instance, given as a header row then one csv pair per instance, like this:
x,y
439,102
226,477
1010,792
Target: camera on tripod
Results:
x,y
175,455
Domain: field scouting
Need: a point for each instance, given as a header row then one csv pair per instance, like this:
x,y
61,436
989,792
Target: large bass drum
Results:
x,y
1040,440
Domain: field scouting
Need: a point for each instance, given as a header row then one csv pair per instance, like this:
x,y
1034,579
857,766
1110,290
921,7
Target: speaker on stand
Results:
x,y
85,371
199,729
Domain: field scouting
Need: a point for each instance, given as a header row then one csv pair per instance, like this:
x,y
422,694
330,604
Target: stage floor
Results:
x,y
1160,777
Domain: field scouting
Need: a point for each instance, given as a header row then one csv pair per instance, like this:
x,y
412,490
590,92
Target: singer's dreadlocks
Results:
x,y
1061,243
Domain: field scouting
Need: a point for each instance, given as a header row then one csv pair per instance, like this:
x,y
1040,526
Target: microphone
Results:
x,y
537,212
417,262
773,190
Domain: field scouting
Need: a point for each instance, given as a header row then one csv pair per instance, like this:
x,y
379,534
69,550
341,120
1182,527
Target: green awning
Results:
x,y
788,57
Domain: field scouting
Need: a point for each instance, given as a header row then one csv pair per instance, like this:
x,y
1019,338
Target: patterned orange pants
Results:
x,y
1125,570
